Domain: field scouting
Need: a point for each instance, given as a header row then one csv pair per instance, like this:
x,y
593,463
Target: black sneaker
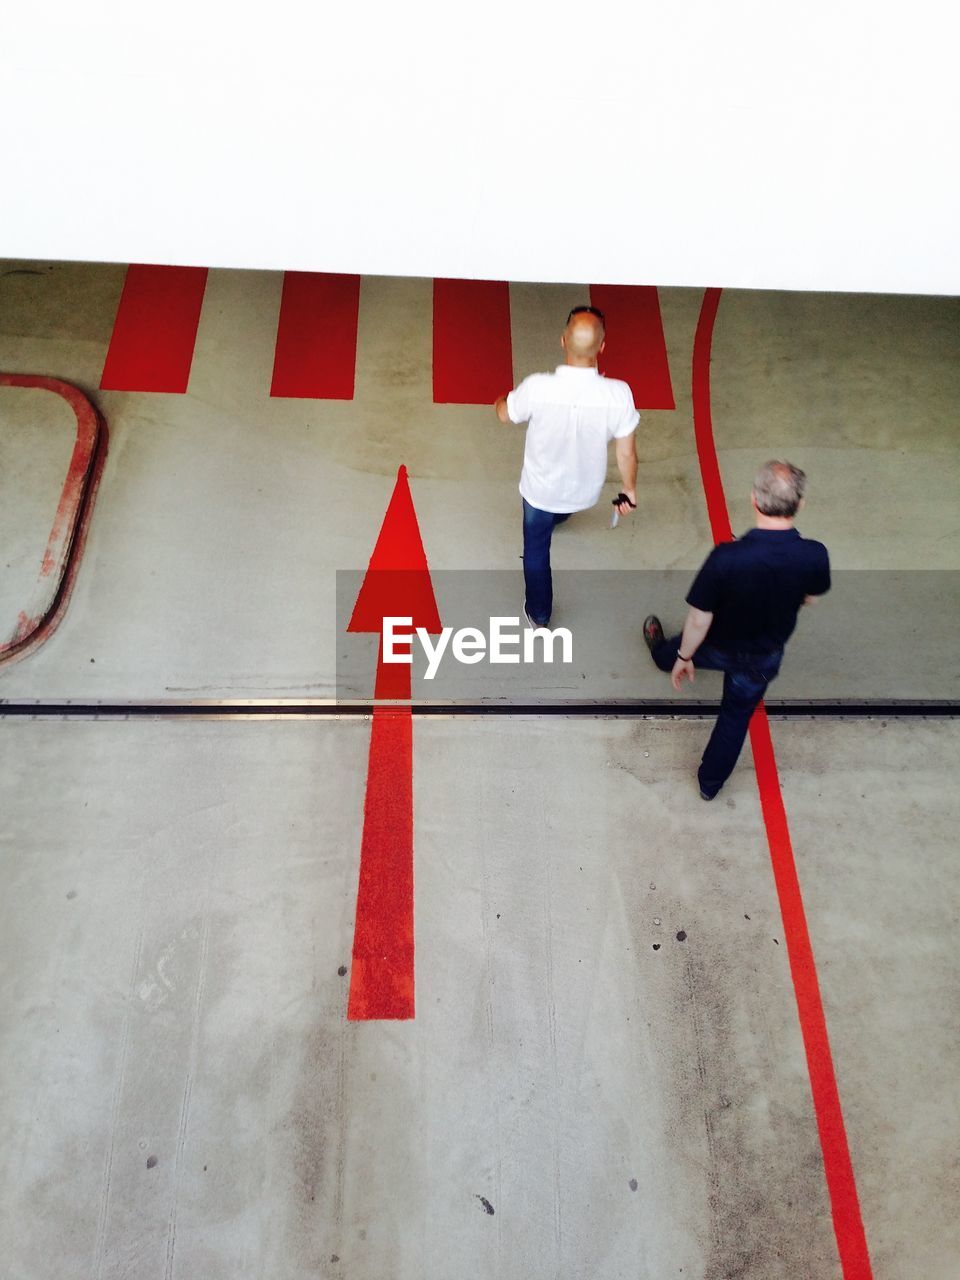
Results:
x,y
652,631
705,795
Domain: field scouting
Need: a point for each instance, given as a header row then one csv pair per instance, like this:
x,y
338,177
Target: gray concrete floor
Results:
x,y
182,1096
180,1093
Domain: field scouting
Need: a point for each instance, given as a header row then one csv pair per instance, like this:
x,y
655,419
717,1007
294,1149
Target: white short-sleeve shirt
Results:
x,y
572,414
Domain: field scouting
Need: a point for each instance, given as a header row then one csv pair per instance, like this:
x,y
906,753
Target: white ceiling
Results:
x,y
717,142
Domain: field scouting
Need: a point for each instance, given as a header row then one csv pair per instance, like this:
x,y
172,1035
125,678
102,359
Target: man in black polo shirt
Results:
x,y
743,609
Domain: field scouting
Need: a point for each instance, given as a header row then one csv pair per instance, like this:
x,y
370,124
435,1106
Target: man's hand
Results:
x,y
680,670
500,405
626,507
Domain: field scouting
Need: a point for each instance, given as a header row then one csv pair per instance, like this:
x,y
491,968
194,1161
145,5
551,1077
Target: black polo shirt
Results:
x,y
754,588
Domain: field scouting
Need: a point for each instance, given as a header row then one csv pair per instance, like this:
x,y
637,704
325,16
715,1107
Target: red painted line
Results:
x,y
69,522
382,971
636,349
316,352
703,421
838,1167
472,346
397,583
155,330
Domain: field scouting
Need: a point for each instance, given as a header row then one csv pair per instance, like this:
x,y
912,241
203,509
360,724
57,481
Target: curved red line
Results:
x,y
838,1168
703,421
68,532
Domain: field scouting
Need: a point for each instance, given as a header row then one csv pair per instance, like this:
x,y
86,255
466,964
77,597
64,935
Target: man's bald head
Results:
x,y
778,489
583,336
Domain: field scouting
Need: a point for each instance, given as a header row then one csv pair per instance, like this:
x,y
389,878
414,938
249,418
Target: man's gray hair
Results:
x,y
778,488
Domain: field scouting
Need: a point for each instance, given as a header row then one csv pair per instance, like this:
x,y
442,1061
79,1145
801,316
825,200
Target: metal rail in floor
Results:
x,y
280,709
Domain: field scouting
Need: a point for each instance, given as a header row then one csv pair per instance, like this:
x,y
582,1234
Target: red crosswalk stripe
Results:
x,y
316,352
155,330
472,345
636,349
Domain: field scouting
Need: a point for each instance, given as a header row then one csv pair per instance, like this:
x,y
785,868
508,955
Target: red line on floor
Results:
x,y
472,346
316,352
155,329
65,541
397,583
382,971
636,349
838,1168
703,421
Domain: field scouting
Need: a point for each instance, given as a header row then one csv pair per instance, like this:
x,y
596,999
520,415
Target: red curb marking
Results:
x,y
636,348
70,520
838,1168
316,352
703,421
155,330
472,344
397,583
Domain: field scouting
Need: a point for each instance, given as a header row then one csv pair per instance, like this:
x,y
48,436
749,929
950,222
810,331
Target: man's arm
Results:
x,y
627,465
694,633
500,405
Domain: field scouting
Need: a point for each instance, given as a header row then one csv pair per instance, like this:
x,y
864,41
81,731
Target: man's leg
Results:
x,y
664,653
537,532
742,690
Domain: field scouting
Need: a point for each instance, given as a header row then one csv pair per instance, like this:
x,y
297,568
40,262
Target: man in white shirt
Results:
x,y
572,416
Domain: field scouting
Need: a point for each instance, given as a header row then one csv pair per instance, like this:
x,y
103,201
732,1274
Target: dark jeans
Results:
x,y
745,680
538,527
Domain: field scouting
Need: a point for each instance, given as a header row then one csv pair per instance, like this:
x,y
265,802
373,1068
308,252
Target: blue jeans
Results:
x,y
745,680
538,527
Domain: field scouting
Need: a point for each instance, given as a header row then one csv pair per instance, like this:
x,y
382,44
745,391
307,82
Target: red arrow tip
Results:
x,y
397,581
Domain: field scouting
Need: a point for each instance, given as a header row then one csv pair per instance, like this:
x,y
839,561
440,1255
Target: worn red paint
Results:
x,y
316,351
58,563
397,583
472,343
155,330
636,349
838,1167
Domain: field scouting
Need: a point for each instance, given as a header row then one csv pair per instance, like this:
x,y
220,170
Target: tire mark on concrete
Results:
x,y
107,1181
188,1083
494,1089
713,1169
554,1056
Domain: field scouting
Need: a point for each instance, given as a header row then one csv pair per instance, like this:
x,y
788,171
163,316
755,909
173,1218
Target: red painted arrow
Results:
x,y
397,584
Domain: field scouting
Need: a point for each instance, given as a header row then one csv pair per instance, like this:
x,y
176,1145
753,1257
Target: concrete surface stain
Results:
x,y
633,1184
151,1162
751,1189
315,1123
487,1206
